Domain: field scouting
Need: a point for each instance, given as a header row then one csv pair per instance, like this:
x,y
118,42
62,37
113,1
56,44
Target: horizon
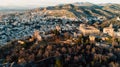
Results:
x,y
46,3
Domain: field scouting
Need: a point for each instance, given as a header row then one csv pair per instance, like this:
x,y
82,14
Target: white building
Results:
x,y
117,34
118,19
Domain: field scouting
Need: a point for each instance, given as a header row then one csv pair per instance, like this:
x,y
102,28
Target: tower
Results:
x,y
111,26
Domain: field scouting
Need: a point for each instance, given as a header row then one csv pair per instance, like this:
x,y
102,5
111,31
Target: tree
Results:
x,y
58,63
66,35
56,32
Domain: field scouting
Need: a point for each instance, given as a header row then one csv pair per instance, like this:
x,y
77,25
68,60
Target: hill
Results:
x,y
84,9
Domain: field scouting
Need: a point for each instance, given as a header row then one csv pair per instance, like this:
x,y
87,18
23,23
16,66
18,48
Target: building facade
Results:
x,y
109,30
87,30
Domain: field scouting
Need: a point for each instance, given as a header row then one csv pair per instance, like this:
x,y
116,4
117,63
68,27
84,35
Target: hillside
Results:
x,y
84,10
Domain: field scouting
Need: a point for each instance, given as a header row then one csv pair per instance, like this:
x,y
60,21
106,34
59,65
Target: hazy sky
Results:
x,y
49,2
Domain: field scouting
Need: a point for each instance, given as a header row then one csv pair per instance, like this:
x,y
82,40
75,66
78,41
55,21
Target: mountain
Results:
x,y
83,9
83,4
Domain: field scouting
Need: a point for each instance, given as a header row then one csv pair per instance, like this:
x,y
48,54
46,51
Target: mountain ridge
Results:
x,y
87,9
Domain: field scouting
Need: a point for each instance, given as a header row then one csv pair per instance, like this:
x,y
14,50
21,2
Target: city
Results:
x,y
69,35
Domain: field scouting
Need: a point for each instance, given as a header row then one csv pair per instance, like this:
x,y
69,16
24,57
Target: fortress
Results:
x,y
87,30
109,30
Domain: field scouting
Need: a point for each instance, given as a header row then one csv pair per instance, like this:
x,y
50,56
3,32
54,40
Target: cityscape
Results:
x,y
75,34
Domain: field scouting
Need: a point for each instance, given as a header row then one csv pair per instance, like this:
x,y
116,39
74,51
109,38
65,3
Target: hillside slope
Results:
x,y
84,10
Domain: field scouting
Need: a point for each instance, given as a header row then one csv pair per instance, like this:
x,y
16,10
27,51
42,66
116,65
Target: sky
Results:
x,y
41,3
